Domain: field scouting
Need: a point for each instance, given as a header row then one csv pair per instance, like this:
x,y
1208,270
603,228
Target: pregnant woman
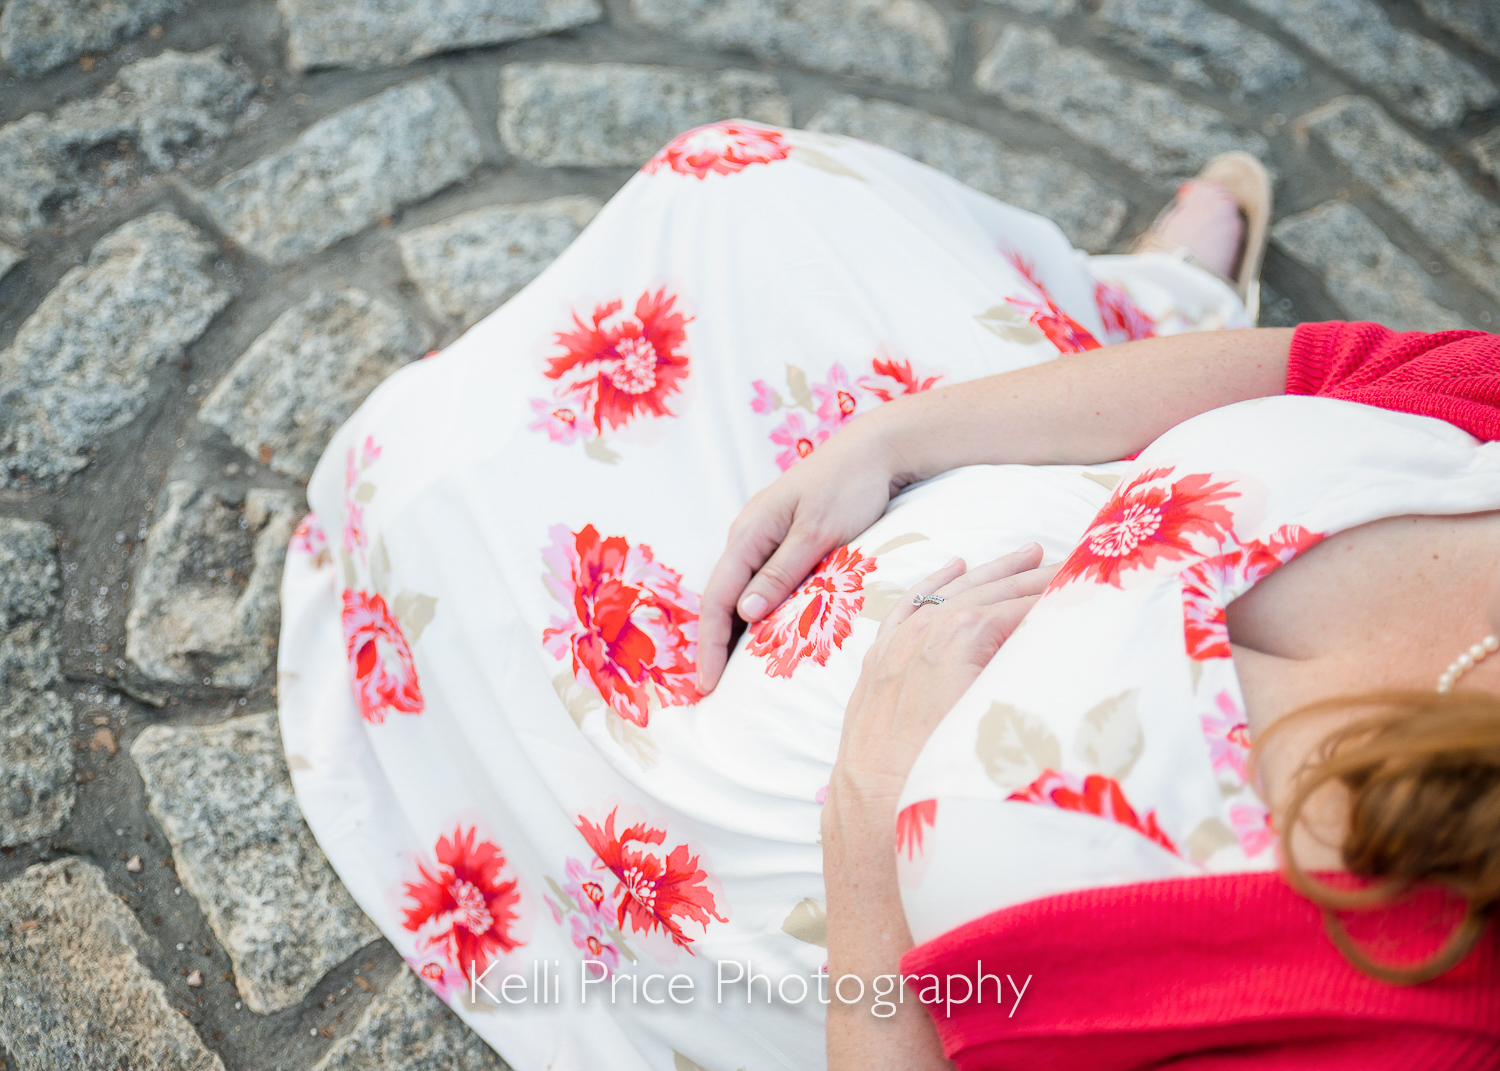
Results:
x,y
513,728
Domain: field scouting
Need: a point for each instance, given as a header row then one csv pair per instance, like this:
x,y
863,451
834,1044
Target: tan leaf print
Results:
x,y
1209,837
1010,324
1109,739
880,599
1106,480
898,541
415,612
824,162
579,701
599,450
796,385
1015,746
808,922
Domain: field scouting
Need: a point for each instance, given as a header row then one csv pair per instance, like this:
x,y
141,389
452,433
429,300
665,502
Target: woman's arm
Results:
x,y
1081,409
921,663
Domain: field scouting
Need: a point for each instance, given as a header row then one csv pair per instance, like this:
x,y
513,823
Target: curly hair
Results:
x,y
1422,775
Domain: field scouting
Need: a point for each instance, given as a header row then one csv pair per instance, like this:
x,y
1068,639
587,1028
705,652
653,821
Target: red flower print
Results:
x,y
1094,794
1064,332
616,367
817,617
910,824
1212,584
385,677
656,894
893,378
463,911
1146,522
719,149
444,979
633,632
835,399
1123,319
798,439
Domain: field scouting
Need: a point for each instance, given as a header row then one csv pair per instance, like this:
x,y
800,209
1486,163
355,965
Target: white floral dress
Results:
x,y
490,616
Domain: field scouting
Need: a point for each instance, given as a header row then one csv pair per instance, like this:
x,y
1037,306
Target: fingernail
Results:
x,y
950,563
752,607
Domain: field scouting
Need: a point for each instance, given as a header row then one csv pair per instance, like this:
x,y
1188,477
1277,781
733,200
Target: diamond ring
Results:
x,y
923,600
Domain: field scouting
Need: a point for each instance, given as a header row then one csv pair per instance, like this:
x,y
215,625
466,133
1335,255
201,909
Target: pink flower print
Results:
x,y
798,439
1123,319
356,537
586,888
766,400
893,378
444,979
720,149
311,540
817,617
565,419
911,823
836,400
1252,825
1228,737
591,938
385,675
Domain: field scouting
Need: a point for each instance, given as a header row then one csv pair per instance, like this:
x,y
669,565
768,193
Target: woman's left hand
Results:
x,y
923,660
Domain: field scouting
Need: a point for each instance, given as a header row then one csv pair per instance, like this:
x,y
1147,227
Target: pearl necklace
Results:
x,y
1467,661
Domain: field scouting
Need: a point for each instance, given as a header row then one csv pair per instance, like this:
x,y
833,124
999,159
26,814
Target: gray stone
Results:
x,y
406,1028
289,392
372,33
346,171
468,265
74,994
1276,310
1148,127
1363,272
204,606
618,114
36,35
1196,44
155,115
905,42
1476,21
1051,8
1087,213
1486,149
1423,81
1429,194
10,256
79,366
36,754
223,797
28,572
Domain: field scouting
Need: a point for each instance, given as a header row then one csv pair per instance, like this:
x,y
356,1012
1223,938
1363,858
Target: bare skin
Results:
x,y
1388,604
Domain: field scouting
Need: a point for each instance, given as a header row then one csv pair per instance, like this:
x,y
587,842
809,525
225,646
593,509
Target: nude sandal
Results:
x,y
1246,180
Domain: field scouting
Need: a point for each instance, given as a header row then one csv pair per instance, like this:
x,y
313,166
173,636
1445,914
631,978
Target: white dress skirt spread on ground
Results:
x,y
488,642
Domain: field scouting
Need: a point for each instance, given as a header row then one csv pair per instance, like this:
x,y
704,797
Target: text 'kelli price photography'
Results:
x,y
550,982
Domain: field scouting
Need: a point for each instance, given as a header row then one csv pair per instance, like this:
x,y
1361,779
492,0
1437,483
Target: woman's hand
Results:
x,y
923,660
822,502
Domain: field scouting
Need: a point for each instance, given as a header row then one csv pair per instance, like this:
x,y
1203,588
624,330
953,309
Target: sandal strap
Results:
x,y
1153,242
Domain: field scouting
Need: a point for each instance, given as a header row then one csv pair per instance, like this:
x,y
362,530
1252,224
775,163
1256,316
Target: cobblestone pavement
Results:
x,y
221,224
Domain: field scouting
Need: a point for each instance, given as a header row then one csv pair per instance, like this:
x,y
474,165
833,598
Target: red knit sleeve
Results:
x,y
1451,375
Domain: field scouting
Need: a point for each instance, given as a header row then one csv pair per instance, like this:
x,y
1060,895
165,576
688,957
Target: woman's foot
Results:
x,y
1207,220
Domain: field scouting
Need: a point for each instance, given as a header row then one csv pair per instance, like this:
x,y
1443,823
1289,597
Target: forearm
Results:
x,y
1084,408
867,935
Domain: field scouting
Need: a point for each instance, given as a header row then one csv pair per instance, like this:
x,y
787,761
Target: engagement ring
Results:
x,y
923,600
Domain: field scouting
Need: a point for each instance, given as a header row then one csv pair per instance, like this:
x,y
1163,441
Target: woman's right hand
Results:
x,y
820,503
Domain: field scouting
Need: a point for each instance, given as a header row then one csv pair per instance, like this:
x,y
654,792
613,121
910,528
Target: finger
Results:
x,y
1018,561
745,551
799,553
929,585
1015,586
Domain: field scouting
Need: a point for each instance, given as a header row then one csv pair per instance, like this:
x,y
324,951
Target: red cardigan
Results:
x,y
1235,972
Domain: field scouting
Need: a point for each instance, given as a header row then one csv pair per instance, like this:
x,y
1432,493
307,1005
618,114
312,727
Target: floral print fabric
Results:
x,y
487,666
